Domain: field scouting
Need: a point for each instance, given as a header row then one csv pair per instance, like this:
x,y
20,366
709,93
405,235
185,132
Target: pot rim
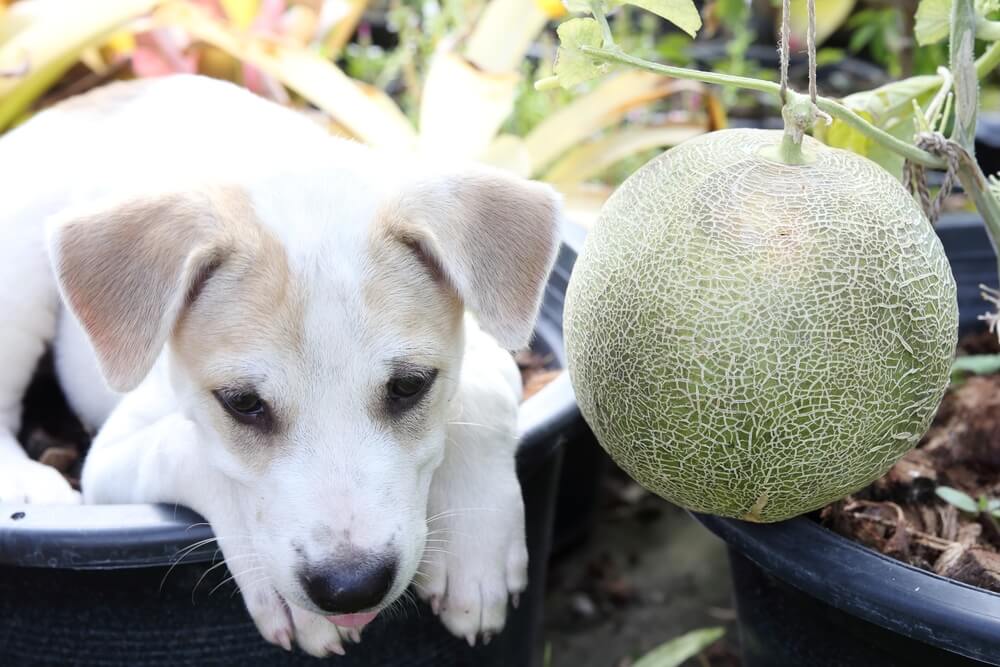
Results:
x,y
108,537
857,580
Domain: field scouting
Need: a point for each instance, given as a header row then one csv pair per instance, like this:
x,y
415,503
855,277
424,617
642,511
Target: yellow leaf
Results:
x,y
602,107
366,112
592,158
49,47
341,33
508,152
830,15
241,12
504,33
462,107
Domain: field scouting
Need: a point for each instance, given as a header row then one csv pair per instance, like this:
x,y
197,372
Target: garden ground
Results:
x,y
647,573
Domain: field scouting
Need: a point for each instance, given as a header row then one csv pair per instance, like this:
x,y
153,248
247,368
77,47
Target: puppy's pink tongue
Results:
x,y
353,620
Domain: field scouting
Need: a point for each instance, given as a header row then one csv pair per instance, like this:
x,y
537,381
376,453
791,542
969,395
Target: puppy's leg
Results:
x,y
28,306
476,554
149,453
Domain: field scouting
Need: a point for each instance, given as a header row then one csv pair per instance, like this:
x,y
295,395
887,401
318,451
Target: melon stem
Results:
x,y
799,114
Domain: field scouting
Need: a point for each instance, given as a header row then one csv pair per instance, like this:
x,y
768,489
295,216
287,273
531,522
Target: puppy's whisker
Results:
x,y
478,425
181,555
233,577
216,566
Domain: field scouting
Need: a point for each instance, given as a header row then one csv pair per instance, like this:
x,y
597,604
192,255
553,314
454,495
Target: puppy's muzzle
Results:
x,y
349,585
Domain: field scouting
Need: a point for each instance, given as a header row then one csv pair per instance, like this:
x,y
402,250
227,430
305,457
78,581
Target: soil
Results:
x,y
900,514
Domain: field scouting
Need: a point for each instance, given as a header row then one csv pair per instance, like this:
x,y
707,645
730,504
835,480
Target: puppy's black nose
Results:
x,y
349,586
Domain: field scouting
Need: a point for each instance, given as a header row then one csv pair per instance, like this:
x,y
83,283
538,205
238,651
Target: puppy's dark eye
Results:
x,y
245,407
407,387
405,391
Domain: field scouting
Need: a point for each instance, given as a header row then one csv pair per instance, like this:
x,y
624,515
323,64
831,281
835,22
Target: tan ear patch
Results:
x,y
128,269
491,235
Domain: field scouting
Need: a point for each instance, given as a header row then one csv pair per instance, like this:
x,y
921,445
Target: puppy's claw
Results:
x,y
487,638
515,600
284,639
354,635
471,638
334,647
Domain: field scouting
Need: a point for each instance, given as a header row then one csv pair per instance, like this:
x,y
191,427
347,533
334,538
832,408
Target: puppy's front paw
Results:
x,y
25,481
283,624
319,637
269,613
474,560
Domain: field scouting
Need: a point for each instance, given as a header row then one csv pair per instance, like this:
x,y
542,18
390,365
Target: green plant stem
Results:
x,y
961,43
831,107
985,64
599,11
975,185
987,30
988,62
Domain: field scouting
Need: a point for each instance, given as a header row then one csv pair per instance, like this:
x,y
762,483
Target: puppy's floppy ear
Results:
x,y
491,237
128,269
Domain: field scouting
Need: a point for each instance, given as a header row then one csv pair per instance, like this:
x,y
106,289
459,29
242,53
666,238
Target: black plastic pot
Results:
x,y
584,462
93,585
807,597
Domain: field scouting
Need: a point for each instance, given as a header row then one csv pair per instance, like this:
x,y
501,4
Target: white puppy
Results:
x,y
279,316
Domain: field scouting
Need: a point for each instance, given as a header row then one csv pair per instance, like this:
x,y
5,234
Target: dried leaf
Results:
x,y
592,158
463,107
363,110
602,107
504,32
51,46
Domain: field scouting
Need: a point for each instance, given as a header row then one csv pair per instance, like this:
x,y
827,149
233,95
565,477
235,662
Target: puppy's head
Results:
x,y
313,328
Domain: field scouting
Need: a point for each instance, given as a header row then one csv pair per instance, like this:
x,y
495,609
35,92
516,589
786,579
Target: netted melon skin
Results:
x,y
756,340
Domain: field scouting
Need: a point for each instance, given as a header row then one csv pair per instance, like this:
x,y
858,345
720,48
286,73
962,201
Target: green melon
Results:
x,y
755,339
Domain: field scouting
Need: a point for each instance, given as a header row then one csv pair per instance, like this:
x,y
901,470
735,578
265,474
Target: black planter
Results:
x,y
92,585
584,462
807,597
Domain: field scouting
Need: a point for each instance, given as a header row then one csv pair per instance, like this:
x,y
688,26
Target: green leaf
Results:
x,y
892,99
959,499
934,18
933,21
572,66
993,505
676,651
975,364
890,108
682,13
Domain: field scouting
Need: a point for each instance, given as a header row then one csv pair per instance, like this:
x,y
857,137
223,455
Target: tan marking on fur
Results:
x,y
251,307
402,296
250,302
493,237
399,291
126,267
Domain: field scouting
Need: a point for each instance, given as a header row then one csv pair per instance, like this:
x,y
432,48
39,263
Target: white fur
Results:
x,y
343,482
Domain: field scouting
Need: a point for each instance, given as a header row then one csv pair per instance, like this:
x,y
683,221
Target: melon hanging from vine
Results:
x,y
753,336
